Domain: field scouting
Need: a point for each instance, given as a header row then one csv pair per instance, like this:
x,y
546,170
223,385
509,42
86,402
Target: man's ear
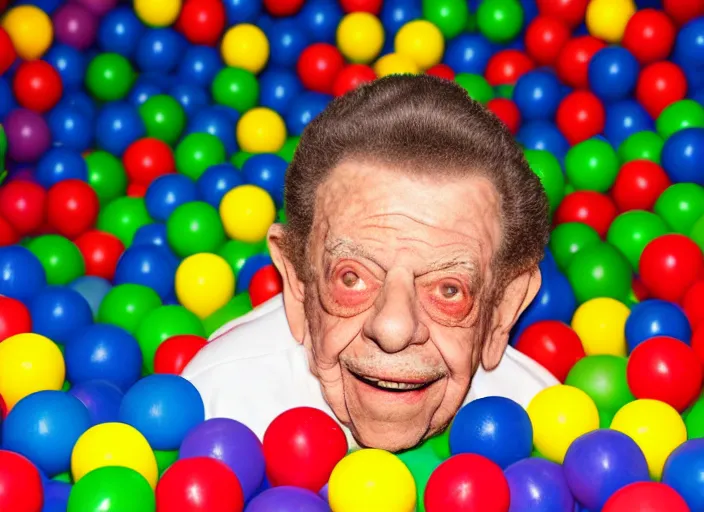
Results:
x,y
517,297
294,288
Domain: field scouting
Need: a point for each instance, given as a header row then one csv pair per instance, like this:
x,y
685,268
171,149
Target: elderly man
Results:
x,y
415,228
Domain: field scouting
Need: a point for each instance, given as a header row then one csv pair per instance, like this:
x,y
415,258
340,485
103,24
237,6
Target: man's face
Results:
x,y
392,311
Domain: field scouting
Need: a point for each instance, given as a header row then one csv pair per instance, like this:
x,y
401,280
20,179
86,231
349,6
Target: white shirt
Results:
x,y
253,369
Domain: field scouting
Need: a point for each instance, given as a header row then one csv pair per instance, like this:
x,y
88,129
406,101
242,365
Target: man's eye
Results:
x,y
350,279
449,291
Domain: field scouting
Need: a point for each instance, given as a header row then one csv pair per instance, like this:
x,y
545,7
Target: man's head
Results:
x,y
415,227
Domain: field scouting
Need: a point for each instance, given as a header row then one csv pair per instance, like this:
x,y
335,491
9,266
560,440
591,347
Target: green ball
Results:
x,y
592,165
500,20
109,77
123,217
569,239
61,259
106,175
681,205
441,444
126,305
697,233
631,231
193,228
64,477
504,91
237,88
476,86
547,168
289,148
163,323
599,271
694,420
644,145
603,378
198,151
678,116
236,253
164,459
239,305
164,118
421,462
239,158
114,489
472,25
450,16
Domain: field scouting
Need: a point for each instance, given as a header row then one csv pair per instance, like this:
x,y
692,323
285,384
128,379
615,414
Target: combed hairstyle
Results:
x,y
419,124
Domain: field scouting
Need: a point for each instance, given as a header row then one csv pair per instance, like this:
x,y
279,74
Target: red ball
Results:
x,y
351,77
545,38
649,36
467,483
176,352
659,85
14,318
441,71
147,159
199,484
697,342
20,484
646,497
302,447
72,207
8,235
573,61
319,65
669,264
22,203
580,116
136,190
372,6
638,185
693,304
202,21
7,51
665,369
507,111
37,85
683,11
101,252
507,66
570,12
589,207
265,284
553,344
639,289
283,7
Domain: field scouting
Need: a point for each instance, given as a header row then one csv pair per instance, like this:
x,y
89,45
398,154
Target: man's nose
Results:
x,y
395,324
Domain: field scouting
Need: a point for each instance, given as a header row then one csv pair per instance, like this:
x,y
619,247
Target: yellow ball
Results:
x,y
601,325
420,41
247,212
655,426
113,444
360,37
395,64
157,13
245,46
29,363
560,414
30,30
204,283
607,19
261,130
371,480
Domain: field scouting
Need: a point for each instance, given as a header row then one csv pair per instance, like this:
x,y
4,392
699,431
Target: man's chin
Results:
x,y
388,437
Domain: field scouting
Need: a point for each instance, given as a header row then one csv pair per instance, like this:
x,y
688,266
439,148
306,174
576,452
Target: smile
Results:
x,y
393,386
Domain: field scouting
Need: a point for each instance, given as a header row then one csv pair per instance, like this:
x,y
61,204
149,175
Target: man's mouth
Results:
x,y
394,386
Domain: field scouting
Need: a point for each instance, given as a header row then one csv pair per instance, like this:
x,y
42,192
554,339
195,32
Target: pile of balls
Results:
x,y
147,144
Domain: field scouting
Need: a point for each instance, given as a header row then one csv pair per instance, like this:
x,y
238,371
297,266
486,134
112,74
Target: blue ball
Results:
x,y
684,472
538,485
142,90
319,20
93,289
163,408
287,40
21,274
217,181
495,427
70,63
160,50
151,234
59,313
469,53
104,352
191,97
697,96
7,98
265,22
199,65
56,495
543,135
44,427
215,122
278,88
118,125
250,267
70,127
48,6
537,95
101,398
689,48
625,118
683,156
120,31
267,171
396,13
242,11
303,109
655,317
613,73
81,101
148,265
168,192
59,164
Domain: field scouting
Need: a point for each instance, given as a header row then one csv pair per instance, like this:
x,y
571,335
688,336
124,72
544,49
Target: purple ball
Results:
x,y
75,26
101,398
288,499
28,136
324,493
232,443
97,7
538,485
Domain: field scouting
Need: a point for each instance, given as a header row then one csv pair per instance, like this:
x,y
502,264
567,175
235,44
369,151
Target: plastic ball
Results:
x,y
655,317
318,66
591,165
121,487
198,151
682,12
680,156
599,271
70,127
659,85
613,73
7,50
680,116
537,95
607,19
573,61
569,239
649,35
14,318
106,176
669,264
360,37
580,116
21,484
552,344
75,26
261,130
395,64
194,227
167,193
500,20
109,77
147,159
507,111
30,30
544,38
570,12
236,88
161,13
163,118
265,284
118,125
127,305
217,181
537,484
507,66
476,87
600,324
202,22
247,212
468,53
71,207
638,185
93,289
176,352
287,499
204,283
631,231
642,496
37,86
28,135
23,205
245,46
692,305
60,258
421,42
22,276
683,472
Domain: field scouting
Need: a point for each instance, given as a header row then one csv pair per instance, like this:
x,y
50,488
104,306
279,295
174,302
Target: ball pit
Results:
x,y
147,145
